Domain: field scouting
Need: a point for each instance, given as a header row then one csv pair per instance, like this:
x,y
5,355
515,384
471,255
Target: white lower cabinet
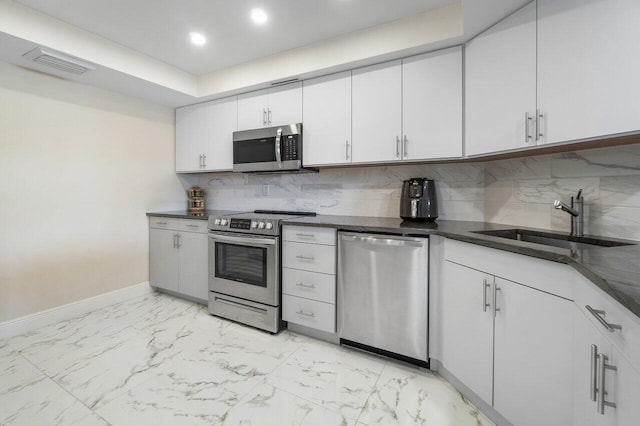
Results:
x,y
596,356
309,277
509,343
178,258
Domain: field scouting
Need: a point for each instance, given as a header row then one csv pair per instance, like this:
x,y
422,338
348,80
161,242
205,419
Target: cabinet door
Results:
x,y
285,105
585,335
467,328
190,137
533,362
252,110
432,105
193,265
163,259
500,85
588,68
624,391
326,105
377,113
221,120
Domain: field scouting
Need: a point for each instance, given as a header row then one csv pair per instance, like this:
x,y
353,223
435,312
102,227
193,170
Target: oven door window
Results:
x,y
244,264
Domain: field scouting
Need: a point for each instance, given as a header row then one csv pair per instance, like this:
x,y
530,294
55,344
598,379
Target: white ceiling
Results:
x,y
160,28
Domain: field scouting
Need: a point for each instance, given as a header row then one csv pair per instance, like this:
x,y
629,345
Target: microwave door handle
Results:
x,y
278,156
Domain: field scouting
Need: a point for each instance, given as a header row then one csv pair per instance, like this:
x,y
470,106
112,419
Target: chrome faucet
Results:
x,y
576,210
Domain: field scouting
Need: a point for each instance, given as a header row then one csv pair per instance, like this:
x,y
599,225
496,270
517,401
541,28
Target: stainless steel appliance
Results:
x,y
418,200
244,268
383,294
269,149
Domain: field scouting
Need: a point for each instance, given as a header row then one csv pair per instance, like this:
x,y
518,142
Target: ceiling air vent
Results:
x,y
58,60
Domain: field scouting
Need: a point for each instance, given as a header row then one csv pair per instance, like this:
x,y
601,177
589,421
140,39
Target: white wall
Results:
x,y
79,168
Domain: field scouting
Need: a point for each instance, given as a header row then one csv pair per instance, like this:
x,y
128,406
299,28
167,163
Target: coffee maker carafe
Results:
x,y
419,201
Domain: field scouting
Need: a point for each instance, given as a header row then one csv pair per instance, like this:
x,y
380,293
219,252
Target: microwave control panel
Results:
x,y
290,148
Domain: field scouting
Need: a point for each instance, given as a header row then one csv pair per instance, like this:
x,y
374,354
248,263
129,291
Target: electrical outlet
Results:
x,y
265,189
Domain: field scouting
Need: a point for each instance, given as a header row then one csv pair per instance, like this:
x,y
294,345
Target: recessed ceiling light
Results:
x,y
259,16
198,39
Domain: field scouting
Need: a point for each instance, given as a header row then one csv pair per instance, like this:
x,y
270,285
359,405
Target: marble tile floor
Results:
x,y
159,360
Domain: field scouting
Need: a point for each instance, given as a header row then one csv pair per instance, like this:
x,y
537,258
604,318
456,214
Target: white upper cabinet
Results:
x,y
326,107
377,113
270,107
190,138
432,105
588,68
204,136
500,85
221,120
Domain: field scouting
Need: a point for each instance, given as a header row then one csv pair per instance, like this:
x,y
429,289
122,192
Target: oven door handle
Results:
x,y
256,241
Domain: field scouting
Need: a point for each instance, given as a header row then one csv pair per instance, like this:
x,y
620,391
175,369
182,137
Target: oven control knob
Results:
x,y
217,221
254,224
269,225
223,222
261,225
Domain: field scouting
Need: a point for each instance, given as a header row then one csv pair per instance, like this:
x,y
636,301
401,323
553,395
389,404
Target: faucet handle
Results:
x,y
579,194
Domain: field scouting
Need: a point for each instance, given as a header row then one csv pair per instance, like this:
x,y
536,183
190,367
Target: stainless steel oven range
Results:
x,y
244,268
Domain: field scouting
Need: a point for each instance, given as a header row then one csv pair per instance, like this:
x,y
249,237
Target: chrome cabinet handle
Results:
x,y
346,150
397,147
204,161
305,258
406,143
269,121
593,376
161,223
301,234
599,316
264,117
178,245
539,125
527,127
305,285
301,312
485,305
602,392
496,289
200,160
175,240
192,226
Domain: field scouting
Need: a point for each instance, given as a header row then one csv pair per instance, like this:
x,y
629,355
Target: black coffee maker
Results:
x,y
419,201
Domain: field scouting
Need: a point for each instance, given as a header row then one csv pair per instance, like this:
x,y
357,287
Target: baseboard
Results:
x,y
30,322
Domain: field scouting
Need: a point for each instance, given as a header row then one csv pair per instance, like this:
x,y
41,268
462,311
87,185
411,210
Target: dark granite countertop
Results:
x,y
616,270
184,214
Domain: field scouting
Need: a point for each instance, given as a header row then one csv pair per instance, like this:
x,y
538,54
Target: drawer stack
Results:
x,y
309,277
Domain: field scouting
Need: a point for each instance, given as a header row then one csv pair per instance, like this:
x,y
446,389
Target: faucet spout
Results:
x,y
562,206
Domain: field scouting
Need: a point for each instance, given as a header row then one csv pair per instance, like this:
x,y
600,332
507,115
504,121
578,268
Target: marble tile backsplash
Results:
x,y
521,191
357,191
516,192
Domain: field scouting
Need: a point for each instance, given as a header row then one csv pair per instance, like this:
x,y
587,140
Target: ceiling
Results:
x,y
160,28
142,47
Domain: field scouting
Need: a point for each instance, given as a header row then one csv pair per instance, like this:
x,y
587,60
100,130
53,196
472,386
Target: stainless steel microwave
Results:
x,y
269,149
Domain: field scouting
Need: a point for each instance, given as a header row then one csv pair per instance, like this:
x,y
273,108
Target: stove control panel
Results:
x,y
253,226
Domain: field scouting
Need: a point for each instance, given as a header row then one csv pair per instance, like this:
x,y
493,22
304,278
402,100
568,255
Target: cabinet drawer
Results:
x,y
309,257
310,285
627,338
163,222
309,234
310,313
192,225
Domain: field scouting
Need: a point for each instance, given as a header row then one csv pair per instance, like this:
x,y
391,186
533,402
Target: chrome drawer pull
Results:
x,y
301,312
161,223
300,234
306,285
485,305
192,226
599,316
593,381
306,258
602,393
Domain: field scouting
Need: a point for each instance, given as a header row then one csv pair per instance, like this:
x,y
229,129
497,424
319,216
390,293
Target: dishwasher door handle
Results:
x,y
384,241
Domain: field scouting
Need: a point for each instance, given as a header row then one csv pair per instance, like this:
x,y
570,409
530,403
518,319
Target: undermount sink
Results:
x,y
554,240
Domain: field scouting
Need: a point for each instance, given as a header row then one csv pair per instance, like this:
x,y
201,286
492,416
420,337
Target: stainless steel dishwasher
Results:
x,y
383,294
